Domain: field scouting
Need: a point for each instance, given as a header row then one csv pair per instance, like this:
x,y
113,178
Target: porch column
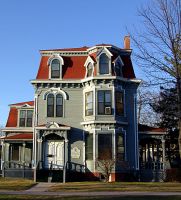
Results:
x,y
65,159
39,156
157,149
163,151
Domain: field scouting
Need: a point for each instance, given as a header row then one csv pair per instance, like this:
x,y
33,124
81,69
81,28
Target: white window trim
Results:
x,y
109,54
49,63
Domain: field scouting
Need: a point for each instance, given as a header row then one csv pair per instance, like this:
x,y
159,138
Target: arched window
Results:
x,y
55,68
59,105
50,105
89,70
103,64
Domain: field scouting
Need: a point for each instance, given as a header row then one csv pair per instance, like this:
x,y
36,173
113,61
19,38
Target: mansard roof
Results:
x,y
13,113
75,58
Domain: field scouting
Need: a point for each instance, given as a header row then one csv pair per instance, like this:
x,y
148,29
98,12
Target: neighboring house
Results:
x,y
84,109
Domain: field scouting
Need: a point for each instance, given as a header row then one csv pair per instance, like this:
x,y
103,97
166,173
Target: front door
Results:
x,y
54,154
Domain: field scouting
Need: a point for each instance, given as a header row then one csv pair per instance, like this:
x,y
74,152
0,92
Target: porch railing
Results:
x,y
152,165
16,165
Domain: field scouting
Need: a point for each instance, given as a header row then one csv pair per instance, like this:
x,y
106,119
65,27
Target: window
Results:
x,y
118,69
104,102
103,64
104,146
54,105
89,147
55,68
119,103
50,105
88,103
26,118
89,70
120,147
59,105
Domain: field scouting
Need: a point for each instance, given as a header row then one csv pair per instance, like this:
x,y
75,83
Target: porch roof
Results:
x,y
20,136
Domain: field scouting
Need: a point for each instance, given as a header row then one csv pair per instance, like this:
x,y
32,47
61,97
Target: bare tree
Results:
x,y
158,45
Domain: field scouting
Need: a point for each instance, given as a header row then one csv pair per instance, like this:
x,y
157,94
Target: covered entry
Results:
x,y
53,154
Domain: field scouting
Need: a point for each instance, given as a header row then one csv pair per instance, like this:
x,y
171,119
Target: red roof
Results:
x,y
21,136
30,103
145,128
13,113
73,67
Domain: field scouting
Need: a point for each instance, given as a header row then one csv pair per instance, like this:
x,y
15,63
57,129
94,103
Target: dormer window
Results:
x,y
26,118
118,69
55,63
55,68
103,64
89,69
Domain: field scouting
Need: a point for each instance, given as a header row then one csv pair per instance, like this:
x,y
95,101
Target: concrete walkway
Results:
x,y
42,189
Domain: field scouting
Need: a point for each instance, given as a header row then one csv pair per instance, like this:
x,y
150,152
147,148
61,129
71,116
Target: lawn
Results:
x,y
15,184
31,197
118,186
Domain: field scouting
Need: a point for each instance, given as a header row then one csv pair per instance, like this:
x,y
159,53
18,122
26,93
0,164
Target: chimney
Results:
x,y
127,42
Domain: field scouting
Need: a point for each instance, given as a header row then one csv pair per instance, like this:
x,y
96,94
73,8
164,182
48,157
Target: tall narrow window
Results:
x,y
118,69
104,146
119,103
29,118
55,68
120,147
89,70
89,147
22,120
89,103
103,64
59,105
50,105
104,102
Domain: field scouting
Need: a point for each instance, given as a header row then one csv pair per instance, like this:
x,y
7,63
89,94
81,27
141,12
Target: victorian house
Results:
x,y
84,110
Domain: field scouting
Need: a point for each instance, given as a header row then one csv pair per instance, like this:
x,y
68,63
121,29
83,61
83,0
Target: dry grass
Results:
x,y
15,184
119,186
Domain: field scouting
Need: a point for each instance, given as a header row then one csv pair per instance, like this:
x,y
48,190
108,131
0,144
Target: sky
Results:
x,y
29,26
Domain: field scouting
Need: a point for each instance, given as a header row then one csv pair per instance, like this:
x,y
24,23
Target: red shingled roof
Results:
x,y
21,136
69,49
30,103
13,113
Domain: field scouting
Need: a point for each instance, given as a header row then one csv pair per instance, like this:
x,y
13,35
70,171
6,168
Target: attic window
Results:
x,y
89,70
103,64
118,69
25,119
55,68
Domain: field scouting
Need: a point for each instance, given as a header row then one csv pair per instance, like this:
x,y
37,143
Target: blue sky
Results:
x,y
28,26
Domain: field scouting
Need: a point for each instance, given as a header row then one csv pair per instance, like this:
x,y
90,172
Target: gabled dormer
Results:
x,y
104,62
55,64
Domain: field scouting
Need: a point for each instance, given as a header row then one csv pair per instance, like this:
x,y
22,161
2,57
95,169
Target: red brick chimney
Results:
x,y
127,42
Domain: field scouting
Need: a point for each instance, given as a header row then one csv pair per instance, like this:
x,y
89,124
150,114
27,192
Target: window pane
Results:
x,y
89,70
104,64
119,103
50,105
108,96
29,118
55,68
89,147
22,118
59,111
105,146
89,103
104,101
120,147
29,114
101,96
59,99
22,114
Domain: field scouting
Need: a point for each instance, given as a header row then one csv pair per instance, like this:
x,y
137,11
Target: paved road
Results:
x,y
42,189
